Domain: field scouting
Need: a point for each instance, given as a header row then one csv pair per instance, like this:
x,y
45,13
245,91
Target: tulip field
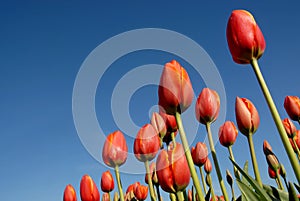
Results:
x,y
183,172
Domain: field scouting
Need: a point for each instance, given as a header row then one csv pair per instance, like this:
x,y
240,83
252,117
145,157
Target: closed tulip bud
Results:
x,y
169,169
88,189
244,37
105,197
146,143
175,90
228,134
141,192
153,174
267,147
207,106
159,124
229,178
290,128
273,162
292,107
171,126
115,149
207,166
107,182
69,193
199,154
271,172
247,117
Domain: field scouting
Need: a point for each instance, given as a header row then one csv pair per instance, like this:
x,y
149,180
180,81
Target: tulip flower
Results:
x,y
245,39
88,189
105,197
171,127
272,173
207,106
292,107
141,192
131,187
267,147
175,90
159,125
107,182
290,128
199,154
207,166
169,166
70,193
228,134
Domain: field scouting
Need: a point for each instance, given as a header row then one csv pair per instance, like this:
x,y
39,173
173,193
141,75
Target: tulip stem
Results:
x,y
173,139
179,196
150,184
284,138
296,147
236,172
232,192
203,179
158,192
172,197
189,157
109,198
119,183
254,161
279,181
212,191
217,167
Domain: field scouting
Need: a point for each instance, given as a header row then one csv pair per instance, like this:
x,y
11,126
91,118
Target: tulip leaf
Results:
x,y
259,190
247,192
276,193
207,196
244,180
292,193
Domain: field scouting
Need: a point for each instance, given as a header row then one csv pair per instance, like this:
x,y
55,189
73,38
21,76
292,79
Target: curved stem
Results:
x,y
203,180
279,181
158,192
189,157
150,184
236,172
254,161
284,138
119,183
217,167
297,149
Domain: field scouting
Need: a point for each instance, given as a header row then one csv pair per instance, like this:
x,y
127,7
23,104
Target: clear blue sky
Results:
x,y
44,43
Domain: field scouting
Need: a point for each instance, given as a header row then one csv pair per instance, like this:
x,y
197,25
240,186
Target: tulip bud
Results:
x,y
115,149
171,125
289,127
175,90
282,171
153,174
228,134
207,166
267,147
69,193
207,106
105,197
292,107
273,162
271,172
159,125
229,178
244,37
199,154
88,189
247,117
169,169
107,182
141,192
146,143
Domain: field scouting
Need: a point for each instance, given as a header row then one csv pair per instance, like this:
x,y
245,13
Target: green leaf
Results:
x,y
246,171
276,193
292,193
259,190
297,186
247,192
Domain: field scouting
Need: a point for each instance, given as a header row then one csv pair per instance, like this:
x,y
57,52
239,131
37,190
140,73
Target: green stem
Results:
x,y
119,183
254,161
279,180
189,157
158,192
297,149
217,167
236,172
172,197
232,192
150,184
284,138
179,196
211,189
173,139
203,180
109,198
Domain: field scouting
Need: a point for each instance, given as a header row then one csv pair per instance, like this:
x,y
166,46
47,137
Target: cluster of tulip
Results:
x,y
175,164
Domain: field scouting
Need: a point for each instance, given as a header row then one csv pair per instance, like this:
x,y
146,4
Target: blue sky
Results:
x,y
44,44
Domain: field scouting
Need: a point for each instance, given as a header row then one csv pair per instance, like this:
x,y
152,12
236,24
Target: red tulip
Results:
x,y
69,193
271,172
105,197
146,143
267,147
175,90
292,107
159,125
247,117
107,182
289,127
169,169
141,192
228,134
297,140
244,37
88,189
171,126
131,187
115,149
199,154
207,166
153,174
208,106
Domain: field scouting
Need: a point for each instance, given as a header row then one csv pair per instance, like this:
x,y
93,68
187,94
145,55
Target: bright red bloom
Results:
x,y
152,173
207,166
290,128
107,182
115,149
175,90
105,197
169,169
88,189
292,107
247,117
171,126
70,193
228,134
208,106
199,154
146,143
244,37
141,192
